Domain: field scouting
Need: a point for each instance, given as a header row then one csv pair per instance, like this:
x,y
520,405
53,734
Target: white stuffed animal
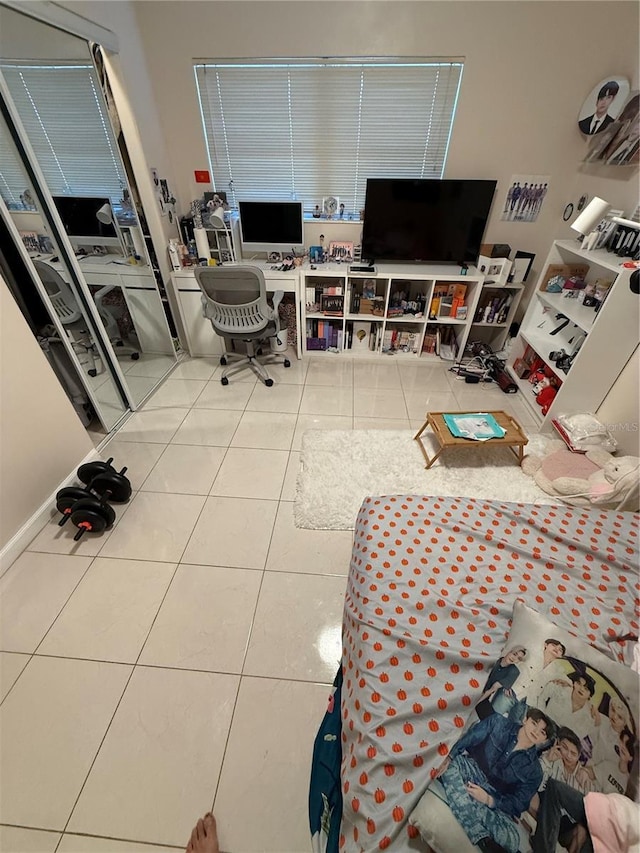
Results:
x,y
612,483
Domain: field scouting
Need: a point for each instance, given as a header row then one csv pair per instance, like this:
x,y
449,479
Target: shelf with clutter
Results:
x,y
579,331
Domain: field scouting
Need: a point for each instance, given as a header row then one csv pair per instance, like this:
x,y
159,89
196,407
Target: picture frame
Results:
x,y
274,257
331,304
341,250
30,240
330,206
522,263
496,269
461,312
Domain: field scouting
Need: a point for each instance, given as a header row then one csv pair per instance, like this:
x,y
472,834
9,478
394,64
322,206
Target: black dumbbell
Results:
x,y
91,515
102,478
66,498
104,483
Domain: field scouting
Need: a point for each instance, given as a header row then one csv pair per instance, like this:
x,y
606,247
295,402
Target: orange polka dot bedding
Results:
x,y
430,592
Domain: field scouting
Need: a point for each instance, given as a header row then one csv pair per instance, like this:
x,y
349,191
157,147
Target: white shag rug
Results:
x,y
339,468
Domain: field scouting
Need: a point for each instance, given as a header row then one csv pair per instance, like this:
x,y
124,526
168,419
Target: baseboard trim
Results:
x,y
30,529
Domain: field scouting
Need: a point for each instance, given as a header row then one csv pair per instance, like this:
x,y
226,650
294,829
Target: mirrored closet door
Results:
x,y
69,196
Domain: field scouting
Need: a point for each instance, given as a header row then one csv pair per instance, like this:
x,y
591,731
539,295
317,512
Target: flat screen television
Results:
x,y
271,226
425,220
78,215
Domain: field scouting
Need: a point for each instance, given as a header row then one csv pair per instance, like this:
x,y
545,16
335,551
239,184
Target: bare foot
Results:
x,y
204,838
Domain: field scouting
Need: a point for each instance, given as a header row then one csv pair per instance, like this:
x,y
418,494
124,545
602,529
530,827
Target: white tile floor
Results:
x,y
181,661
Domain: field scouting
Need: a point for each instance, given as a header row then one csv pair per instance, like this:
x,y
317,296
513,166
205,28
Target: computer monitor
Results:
x,y
78,215
267,226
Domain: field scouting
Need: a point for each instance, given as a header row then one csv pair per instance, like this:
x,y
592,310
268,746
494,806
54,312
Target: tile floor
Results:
x,y
181,660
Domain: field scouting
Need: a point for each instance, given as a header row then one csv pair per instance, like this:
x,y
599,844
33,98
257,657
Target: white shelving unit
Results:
x,y
368,299
609,335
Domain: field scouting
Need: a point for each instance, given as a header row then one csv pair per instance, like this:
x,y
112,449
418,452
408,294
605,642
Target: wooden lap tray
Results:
x,y
513,438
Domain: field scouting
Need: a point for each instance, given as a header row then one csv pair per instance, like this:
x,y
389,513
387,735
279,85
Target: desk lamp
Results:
x,y
105,215
216,220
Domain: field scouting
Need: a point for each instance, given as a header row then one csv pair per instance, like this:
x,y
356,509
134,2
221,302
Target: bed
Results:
x,y
430,592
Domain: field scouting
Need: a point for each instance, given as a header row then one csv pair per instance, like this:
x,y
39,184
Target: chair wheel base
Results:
x,y
223,361
224,380
135,356
268,382
287,363
93,372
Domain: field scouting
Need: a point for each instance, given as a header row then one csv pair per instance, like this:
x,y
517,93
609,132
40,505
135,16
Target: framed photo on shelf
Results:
x,y
330,304
522,264
330,205
341,251
274,257
461,312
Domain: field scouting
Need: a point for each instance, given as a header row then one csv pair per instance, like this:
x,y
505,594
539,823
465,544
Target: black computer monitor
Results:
x,y
80,221
271,226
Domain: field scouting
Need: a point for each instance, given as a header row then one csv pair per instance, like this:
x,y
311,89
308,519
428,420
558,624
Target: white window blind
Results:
x,y
308,129
65,121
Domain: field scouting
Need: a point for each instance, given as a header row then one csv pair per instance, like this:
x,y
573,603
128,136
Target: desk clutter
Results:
x,y
88,507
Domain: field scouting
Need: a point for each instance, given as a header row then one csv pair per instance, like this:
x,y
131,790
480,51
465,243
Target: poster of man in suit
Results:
x,y
603,105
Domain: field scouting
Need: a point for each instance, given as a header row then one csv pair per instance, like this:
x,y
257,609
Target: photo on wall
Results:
x,y
619,142
525,197
603,105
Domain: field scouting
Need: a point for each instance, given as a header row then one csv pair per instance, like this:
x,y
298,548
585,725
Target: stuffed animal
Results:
x,y
545,397
595,478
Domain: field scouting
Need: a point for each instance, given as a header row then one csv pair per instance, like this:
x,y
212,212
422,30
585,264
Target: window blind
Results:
x,y
66,123
309,129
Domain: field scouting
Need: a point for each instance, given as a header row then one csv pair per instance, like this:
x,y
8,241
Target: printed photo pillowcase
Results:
x,y
552,708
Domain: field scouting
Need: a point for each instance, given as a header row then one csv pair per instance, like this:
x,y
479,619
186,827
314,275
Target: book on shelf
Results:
x,y
458,291
361,333
446,306
448,344
429,342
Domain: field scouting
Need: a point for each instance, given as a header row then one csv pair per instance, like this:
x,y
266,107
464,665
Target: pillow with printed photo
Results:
x,y
556,719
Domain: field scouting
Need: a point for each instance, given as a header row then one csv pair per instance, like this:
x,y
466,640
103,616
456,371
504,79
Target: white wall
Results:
x,y
41,437
528,68
620,408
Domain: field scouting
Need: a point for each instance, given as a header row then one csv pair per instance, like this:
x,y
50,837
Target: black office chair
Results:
x,y
234,299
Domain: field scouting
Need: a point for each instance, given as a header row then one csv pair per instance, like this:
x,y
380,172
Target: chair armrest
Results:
x,y
99,295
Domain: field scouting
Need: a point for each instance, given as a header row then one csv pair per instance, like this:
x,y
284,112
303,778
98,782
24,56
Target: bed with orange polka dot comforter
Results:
x,y
431,587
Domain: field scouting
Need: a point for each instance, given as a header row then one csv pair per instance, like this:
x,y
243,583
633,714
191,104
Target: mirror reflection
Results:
x,y
53,310
51,79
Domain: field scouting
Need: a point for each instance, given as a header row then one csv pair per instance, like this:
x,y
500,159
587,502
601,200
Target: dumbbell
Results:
x,y
102,477
89,514
87,507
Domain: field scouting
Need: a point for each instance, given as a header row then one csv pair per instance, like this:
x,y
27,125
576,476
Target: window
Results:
x,y
305,129
66,123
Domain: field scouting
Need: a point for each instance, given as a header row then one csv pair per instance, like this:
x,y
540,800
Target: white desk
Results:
x,y
196,332
140,291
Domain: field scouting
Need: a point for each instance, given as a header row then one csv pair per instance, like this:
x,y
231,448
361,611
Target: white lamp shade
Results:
x,y
593,213
216,219
105,214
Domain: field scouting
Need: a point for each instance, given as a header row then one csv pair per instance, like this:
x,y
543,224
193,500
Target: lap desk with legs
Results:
x,y
513,437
